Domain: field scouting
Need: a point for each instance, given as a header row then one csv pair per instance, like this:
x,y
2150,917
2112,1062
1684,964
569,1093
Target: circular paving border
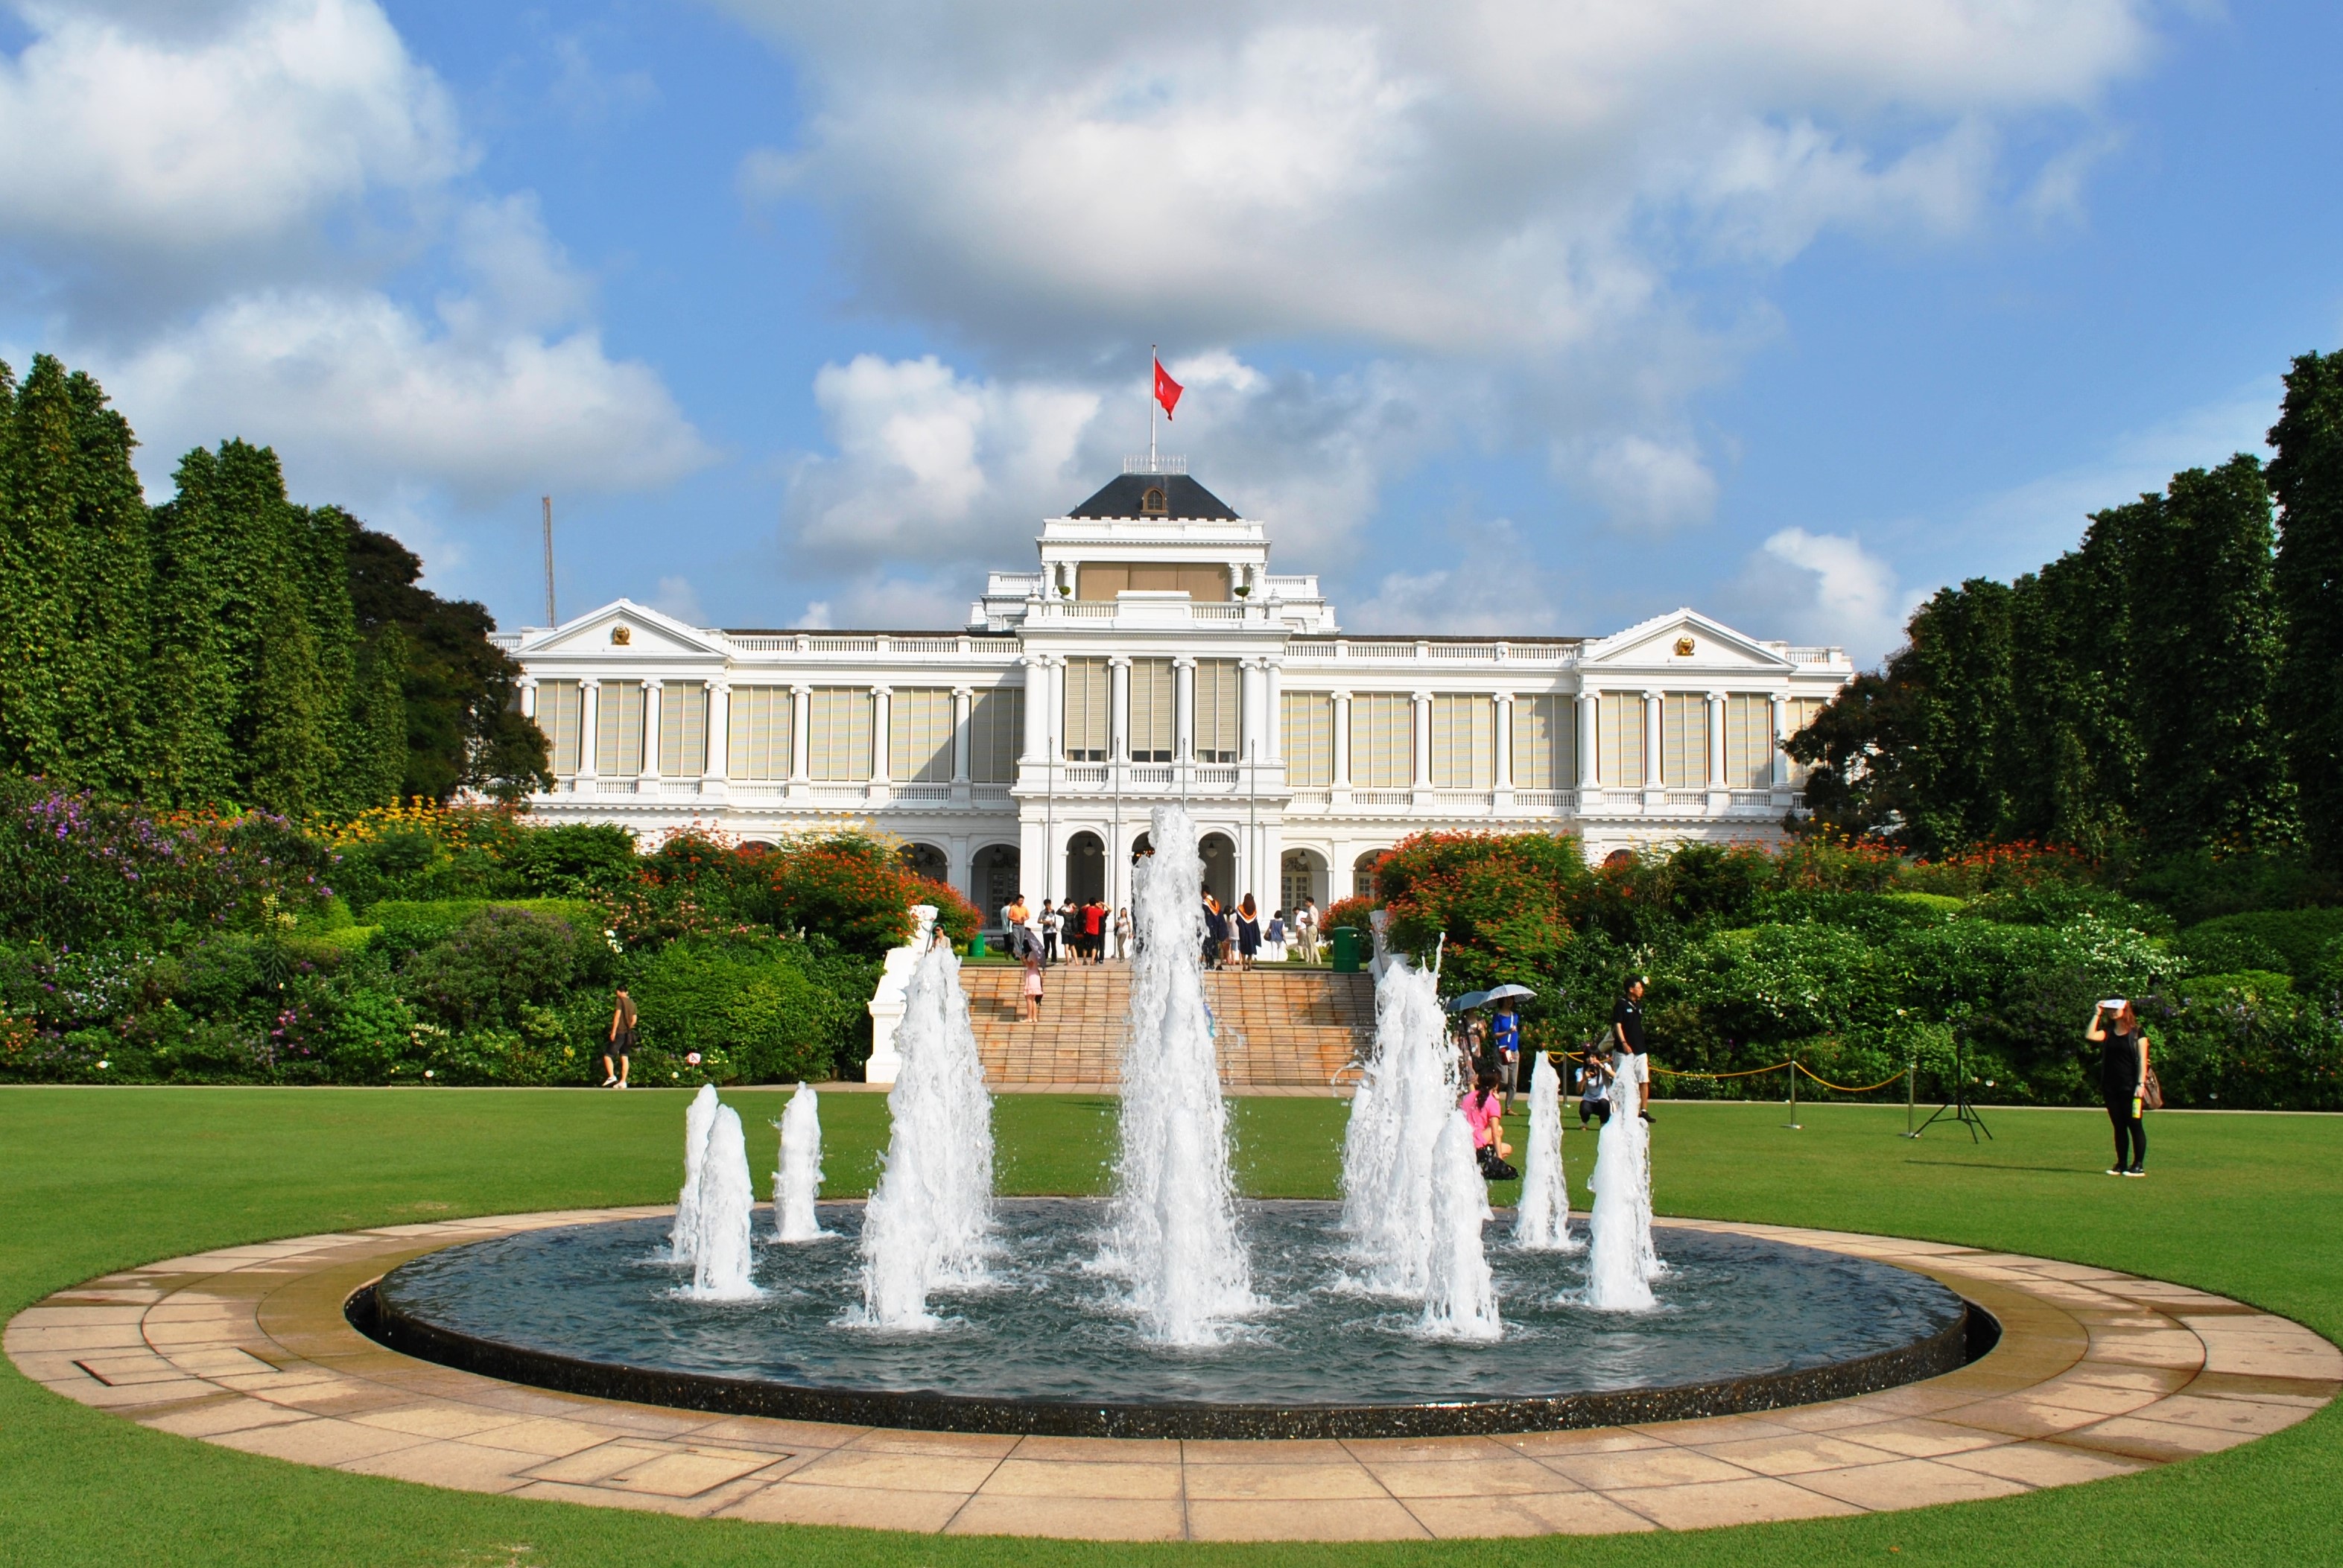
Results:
x,y
2096,1374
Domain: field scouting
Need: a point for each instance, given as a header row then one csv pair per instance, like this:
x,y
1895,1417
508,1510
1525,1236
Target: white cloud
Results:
x,y
353,389
1495,587
1496,177
678,597
932,466
205,129
1649,486
1821,589
215,207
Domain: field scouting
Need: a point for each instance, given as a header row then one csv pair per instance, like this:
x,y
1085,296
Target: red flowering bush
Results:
x,y
1502,900
853,889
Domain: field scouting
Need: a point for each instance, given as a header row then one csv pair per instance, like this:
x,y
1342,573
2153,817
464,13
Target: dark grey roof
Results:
x,y
1183,497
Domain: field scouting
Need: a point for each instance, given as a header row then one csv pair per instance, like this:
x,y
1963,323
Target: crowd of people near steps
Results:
x,y
1085,931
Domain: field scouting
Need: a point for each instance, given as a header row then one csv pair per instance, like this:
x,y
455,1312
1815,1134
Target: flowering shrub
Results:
x,y
1501,902
79,872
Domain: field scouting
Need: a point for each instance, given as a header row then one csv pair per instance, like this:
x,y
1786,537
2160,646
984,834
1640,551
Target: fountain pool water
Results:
x,y
698,1117
931,1215
1542,1214
797,1175
1173,1238
1052,1347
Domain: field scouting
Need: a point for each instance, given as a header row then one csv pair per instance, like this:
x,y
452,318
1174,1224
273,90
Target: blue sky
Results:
x,y
1537,315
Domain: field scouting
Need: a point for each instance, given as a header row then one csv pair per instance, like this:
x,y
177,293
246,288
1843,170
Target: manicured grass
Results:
x,y
95,1179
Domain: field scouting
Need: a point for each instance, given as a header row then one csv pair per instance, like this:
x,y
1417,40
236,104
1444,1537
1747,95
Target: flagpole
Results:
x,y
1153,356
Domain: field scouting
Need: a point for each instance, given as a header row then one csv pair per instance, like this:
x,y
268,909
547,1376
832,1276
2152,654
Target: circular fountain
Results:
x,y
1049,1344
1174,1310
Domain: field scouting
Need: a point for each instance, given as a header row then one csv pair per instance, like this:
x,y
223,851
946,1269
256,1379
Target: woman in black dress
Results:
x,y
2123,1081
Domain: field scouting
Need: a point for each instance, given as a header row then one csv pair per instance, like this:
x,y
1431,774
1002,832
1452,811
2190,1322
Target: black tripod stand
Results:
x,y
1957,1108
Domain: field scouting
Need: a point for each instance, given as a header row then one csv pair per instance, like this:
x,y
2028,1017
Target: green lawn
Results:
x,y
95,1179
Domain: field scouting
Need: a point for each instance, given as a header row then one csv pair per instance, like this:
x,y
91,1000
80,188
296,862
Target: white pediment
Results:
x,y
1684,639
624,629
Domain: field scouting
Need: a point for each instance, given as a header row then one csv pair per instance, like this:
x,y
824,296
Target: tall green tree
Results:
x,y
2073,760
193,687
74,582
464,724
2306,475
1958,760
2205,647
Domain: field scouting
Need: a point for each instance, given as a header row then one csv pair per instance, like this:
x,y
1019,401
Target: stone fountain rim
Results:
x,y
1968,1337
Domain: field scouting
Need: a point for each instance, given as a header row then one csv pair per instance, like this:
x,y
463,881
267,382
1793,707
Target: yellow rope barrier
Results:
x,y
1846,1089
1752,1072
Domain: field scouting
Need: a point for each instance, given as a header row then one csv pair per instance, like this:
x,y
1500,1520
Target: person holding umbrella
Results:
x,y
1505,1039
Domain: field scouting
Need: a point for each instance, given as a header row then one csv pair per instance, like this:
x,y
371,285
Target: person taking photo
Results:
x,y
2123,1081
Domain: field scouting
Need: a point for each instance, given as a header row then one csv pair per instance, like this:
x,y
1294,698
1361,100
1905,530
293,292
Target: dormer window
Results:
x,y
1152,504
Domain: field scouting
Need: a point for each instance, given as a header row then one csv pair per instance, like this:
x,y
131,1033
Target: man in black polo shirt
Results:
x,y
1627,1038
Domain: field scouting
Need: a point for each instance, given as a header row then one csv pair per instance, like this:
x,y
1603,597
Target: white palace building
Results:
x,y
1153,656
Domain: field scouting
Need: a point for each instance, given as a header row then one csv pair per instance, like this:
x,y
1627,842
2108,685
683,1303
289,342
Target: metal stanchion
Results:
x,y
1794,1094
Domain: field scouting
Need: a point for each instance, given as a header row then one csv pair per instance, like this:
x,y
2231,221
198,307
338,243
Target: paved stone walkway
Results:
x,y
2097,1373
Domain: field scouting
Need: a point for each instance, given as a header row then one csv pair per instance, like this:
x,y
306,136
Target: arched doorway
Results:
x,y
1301,874
992,880
1220,853
1141,848
1086,869
927,861
1363,872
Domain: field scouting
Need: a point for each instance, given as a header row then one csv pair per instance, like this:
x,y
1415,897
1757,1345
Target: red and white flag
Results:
x,y
1167,391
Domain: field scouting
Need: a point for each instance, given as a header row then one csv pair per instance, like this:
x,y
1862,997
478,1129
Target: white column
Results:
x,y
654,700
1272,709
1249,744
1037,714
1342,740
1422,736
883,699
1118,710
719,732
1654,777
527,684
590,730
963,703
1781,706
1503,778
1053,680
1184,745
800,733
1589,716
1717,780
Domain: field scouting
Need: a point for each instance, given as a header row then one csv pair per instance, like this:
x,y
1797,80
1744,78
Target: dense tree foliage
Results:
x,y
227,647
2308,477
417,944
2121,698
1856,960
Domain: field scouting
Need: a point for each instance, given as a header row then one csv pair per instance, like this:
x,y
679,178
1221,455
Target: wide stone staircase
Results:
x,y
1279,1029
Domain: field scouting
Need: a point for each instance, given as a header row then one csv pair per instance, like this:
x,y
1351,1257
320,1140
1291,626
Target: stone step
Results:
x,y
1277,1028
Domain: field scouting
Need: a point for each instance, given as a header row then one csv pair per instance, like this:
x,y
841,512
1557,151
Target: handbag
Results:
x,y
2151,1091
1495,1168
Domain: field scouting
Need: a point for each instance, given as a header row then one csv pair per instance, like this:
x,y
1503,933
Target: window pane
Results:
x,y
1463,741
760,741
1089,696
1683,740
840,731
996,734
560,707
619,729
1382,740
1220,700
1619,739
1748,741
683,728
919,736
1309,737
1154,699
1546,742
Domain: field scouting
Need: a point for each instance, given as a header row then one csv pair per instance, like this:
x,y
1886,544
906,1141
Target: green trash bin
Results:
x,y
1346,940
976,947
